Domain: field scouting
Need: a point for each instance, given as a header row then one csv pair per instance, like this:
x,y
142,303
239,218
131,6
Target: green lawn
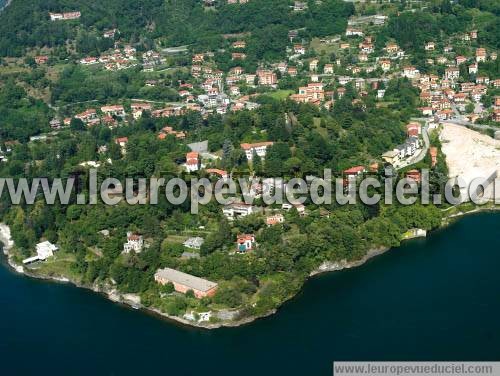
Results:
x,y
179,239
280,94
327,48
58,266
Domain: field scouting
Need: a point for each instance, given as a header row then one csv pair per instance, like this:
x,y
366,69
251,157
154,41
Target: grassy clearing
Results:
x,y
326,48
178,239
384,104
54,72
8,70
171,70
280,94
322,131
58,266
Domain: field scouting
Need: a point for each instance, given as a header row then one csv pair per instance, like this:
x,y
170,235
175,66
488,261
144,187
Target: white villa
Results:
x,y
134,243
235,210
44,250
259,148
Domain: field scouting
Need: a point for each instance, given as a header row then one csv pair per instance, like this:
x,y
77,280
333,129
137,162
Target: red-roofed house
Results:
x,y
245,243
239,44
313,92
215,171
275,219
480,55
121,141
292,71
413,129
473,68
198,58
433,151
460,59
299,49
238,56
426,111
109,121
414,175
139,108
192,161
267,77
385,64
88,117
259,148
355,171
41,59
170,131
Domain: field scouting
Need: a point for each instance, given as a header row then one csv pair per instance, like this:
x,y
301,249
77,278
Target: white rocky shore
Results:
x,y
134,301
131,300
329,266
335,266
8,243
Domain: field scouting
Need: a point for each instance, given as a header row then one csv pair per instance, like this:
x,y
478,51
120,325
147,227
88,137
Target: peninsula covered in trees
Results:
x,y
207,89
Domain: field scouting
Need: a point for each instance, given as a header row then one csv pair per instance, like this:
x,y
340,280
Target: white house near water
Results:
x,y
44,250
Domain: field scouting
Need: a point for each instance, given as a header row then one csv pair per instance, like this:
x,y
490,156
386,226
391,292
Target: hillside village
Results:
x,y
444,95
222,113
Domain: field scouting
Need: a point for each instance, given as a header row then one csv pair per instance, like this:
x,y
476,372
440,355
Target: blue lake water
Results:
x,y
431,299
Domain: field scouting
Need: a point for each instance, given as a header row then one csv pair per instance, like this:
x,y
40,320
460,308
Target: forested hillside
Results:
x,y
21,116
27,24
412,30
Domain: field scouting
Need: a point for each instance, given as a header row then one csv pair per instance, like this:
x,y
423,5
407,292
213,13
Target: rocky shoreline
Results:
x,y
130,300
133,300
336,266
475,211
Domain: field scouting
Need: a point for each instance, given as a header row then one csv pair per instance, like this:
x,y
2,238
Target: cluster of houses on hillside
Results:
x,y
195,159
312,93
109,115
440,95
359,68
358,61
116,60
152,59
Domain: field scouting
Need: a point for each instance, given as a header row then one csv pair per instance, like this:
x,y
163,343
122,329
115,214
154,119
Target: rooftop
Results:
x,y
246,146
187,280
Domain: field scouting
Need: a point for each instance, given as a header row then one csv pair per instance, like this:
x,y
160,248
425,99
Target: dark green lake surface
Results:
x,y
433,299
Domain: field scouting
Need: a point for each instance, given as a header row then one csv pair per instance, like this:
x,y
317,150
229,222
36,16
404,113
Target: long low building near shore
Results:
x,y
184,282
